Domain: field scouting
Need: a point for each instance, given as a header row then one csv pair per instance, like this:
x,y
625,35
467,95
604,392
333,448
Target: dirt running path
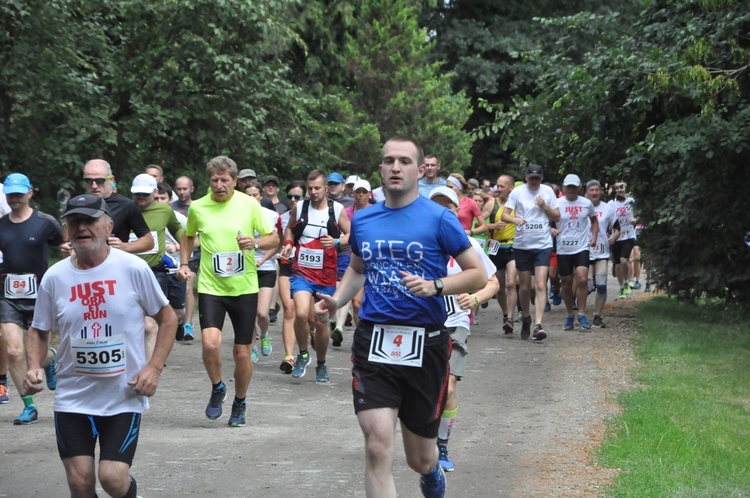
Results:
x,y
530,415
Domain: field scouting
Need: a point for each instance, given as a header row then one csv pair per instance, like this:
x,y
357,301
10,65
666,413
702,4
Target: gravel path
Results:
x,y
530,416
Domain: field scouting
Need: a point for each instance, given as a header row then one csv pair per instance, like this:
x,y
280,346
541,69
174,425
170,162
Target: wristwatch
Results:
x,y
438,287
256,245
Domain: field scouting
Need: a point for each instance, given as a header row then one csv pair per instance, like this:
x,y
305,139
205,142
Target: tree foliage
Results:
x,y
373,73
664,105
169,82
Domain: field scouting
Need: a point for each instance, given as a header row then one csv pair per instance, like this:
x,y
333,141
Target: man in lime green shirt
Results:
x,y
159,218
227,220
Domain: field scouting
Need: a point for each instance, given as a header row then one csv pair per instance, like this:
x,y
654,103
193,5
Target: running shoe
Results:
x,y
648,288
557,298
321,374
50,371
626,286
598,322
237,419
4,398
622,294
508,325
188,335
29,415
539,333
584,322
484,305
526,327
337,337
445,461
547,306
432,484
568,323
349,319
265,346
273,314
637,285
287,365
300,366
218,396
254,354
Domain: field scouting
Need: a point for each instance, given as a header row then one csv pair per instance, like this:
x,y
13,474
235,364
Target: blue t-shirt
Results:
x,y
418,239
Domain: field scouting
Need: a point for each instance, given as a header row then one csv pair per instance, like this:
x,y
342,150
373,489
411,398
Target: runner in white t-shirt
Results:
x,y
578,230
458,307
533,206
98,299
621,249
609,231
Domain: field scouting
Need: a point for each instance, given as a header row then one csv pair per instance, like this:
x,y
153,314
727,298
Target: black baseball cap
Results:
x,y
89,205
534,170
271,179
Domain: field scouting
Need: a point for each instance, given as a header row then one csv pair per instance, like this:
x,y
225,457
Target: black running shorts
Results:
x,y
622,249
418,393
567,263
118,435
241,310
502,258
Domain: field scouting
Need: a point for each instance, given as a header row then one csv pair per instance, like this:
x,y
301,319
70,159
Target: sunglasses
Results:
x,y
98,181
296,197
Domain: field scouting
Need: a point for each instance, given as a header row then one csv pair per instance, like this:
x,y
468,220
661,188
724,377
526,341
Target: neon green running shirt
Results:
x,y
224,269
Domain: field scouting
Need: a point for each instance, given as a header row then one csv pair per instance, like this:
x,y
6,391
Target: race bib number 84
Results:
x,y
397,345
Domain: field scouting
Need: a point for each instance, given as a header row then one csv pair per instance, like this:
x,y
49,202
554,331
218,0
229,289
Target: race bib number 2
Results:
x,y
397,345
100,357
229,264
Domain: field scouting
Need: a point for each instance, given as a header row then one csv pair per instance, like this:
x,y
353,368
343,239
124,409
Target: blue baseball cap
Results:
x,y
16,183
335,178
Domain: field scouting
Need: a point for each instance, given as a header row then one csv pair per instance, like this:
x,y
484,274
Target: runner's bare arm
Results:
x,y
351,283
141,245
146,381
186,249
485,294
37,342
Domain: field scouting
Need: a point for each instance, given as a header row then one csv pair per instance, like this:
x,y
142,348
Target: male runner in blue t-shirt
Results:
x,y
400,252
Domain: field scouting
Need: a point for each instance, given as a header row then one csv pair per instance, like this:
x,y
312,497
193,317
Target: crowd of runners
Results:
x,y
410,265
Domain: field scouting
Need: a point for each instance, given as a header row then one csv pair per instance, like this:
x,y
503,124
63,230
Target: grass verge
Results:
x,y
685,430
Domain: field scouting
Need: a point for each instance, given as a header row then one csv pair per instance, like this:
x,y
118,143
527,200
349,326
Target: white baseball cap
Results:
x,y
352,179
143,184
445,192
361,184
572,181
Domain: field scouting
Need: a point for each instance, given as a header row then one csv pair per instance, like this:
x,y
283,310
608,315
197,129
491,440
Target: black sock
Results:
x,y
220,385
321,363
238,401
132,490
303,353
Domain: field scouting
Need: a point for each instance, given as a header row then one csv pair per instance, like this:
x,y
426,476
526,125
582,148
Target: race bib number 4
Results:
x,y
100,357
310,258
397,345
229,264
21,286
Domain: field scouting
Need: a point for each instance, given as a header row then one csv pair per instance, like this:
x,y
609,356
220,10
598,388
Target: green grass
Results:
x,y
685,430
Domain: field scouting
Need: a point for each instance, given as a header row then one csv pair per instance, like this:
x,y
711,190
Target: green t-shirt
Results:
x,y
224,269
159,217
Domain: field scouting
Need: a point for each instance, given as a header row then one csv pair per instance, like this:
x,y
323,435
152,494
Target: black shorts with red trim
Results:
x,y
418,393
